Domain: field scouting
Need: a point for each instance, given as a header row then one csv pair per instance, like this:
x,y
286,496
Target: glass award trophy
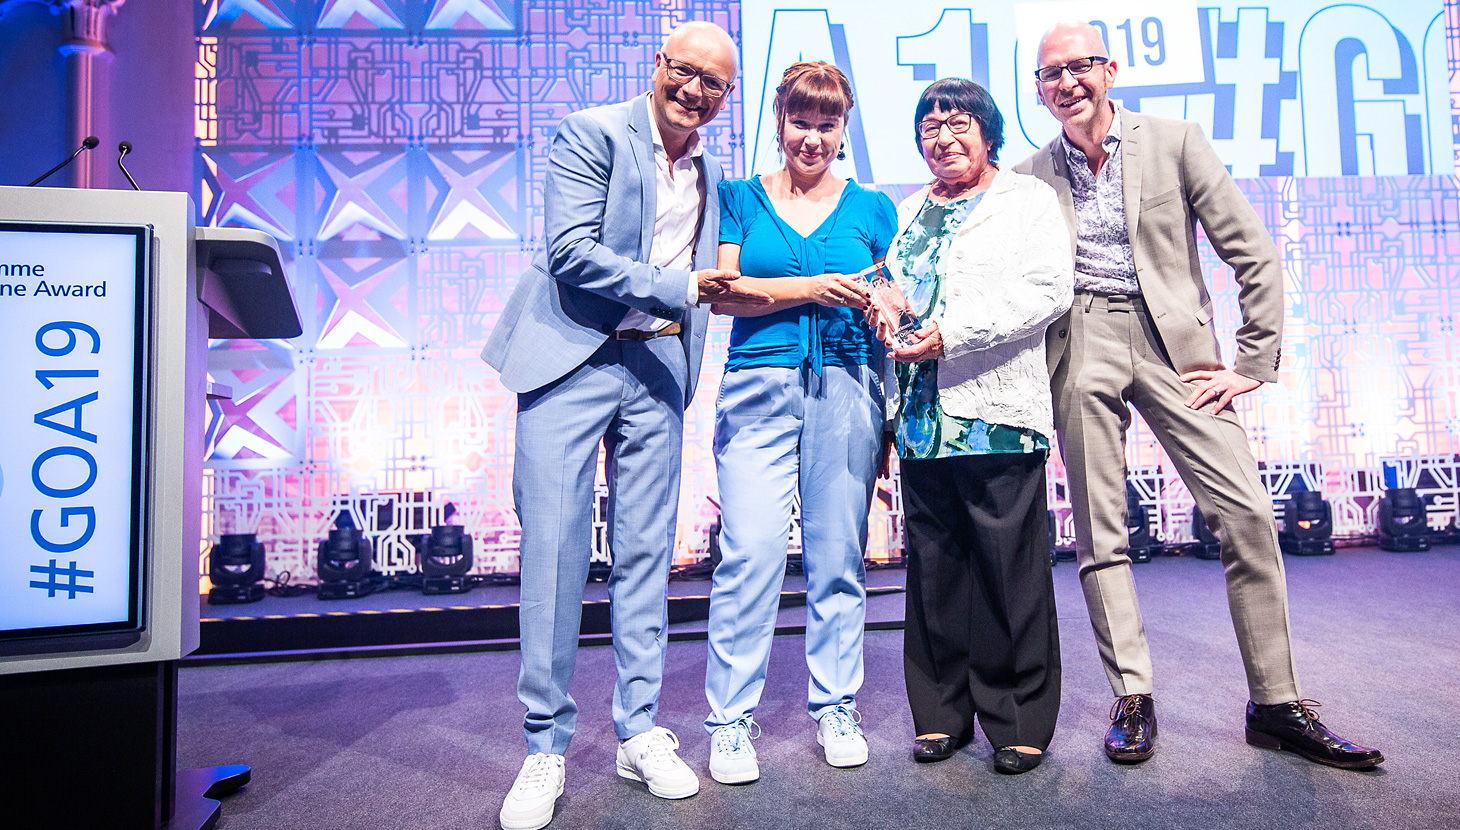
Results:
x,y
891,305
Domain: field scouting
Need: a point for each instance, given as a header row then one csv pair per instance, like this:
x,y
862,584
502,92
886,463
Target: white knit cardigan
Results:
x,y
1008,273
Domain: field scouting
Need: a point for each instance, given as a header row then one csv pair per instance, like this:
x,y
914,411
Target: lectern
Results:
x,y
107,301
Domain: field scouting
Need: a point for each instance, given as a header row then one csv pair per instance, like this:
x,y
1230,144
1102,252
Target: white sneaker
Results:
x,y
841,737
649,757
529,804
732,758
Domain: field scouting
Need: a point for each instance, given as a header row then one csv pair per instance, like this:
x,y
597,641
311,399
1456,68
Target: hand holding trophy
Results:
x,y
889,311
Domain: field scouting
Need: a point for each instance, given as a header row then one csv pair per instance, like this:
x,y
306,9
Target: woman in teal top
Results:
x,y
799,418
983,258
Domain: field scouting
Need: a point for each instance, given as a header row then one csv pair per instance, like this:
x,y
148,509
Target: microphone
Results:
x,y
124,148
90,142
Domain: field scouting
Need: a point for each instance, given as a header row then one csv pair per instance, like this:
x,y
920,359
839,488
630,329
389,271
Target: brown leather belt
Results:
x,y
637,334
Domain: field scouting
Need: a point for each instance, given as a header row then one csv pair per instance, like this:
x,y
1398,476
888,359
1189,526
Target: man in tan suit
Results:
x,y
1140,333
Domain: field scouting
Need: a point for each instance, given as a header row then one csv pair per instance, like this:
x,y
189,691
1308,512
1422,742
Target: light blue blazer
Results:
x,y
592,268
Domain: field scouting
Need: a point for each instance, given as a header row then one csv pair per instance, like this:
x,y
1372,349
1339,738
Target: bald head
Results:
x,y
693,75
701,36
1072,86
1072,36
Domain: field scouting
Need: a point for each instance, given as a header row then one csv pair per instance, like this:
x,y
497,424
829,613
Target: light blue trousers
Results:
x,y
629,395
773,438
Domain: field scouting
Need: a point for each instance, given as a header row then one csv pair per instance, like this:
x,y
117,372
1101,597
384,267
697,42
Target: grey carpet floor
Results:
x,y
434,741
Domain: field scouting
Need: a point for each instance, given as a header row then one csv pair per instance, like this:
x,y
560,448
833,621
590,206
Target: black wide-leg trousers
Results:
x,y
981,638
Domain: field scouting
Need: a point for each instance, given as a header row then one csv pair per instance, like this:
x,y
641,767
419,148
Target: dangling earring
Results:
x,y
841,152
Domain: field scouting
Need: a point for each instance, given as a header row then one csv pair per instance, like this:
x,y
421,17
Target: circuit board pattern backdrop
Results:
x,y
396,149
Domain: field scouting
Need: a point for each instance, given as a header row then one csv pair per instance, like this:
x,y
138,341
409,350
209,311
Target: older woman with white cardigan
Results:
x,y
983,258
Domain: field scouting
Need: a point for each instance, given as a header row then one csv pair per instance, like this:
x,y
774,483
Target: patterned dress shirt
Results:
x,y
1104,263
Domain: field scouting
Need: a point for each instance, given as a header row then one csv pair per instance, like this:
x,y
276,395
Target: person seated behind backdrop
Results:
x,y
986,266
800,411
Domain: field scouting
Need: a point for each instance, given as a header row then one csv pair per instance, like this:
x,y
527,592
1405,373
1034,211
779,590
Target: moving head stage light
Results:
x,y
445,557
1307,525
1208,546
236,569
1138,527
344,565
1402,521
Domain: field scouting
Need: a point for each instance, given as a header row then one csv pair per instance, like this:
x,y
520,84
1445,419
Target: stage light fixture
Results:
x,y
1208,546
713,554
1053,535
599,571
445,557
344,565
1138,528
1402,521
236,569
1058,552
1307,525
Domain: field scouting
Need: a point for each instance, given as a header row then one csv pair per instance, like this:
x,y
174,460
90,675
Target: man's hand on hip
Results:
x,y
722,286
1222,385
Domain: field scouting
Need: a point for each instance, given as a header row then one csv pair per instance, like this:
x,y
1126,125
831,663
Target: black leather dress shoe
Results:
x,y
1294,727
1011,761
928,750
1132,734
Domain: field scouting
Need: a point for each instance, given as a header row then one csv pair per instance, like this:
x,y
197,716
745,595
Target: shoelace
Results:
x,y
1309,707
733,738
538,772
844,721
1123,706
659,749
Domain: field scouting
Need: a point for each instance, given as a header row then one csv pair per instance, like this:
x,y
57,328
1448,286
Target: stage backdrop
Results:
x,y
396,148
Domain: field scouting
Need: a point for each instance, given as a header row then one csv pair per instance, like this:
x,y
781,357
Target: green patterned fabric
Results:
x,y
923,429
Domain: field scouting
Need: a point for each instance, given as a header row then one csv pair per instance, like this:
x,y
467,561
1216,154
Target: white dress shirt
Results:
x,y
677,206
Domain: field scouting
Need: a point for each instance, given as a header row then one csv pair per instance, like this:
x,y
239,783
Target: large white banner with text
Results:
x,y
1296,88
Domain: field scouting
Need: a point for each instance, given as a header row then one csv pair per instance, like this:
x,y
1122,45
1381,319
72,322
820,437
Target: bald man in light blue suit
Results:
x,y
602,340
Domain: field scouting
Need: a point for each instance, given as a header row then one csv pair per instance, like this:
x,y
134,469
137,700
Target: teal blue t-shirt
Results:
x,y
858,231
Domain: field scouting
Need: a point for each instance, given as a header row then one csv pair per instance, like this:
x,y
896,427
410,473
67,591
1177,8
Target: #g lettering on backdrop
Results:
x,y
73,380
1297,88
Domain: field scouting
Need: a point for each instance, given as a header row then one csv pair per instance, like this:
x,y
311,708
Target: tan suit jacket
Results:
x,y
1173,179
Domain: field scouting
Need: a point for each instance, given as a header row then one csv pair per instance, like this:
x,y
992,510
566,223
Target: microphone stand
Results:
x,y
124,148
90,142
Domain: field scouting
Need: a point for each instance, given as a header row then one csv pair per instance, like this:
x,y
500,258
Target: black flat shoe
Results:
x,y
1011,761
1294,727
1132,734
928,750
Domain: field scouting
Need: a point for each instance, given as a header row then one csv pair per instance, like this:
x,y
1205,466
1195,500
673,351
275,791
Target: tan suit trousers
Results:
x,y
1115,358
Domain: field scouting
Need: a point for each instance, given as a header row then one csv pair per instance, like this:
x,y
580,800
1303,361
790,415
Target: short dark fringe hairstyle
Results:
x,y
964,96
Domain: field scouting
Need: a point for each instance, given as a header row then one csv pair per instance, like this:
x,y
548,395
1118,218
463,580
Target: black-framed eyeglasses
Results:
x,y
1078,67
956,123
682,73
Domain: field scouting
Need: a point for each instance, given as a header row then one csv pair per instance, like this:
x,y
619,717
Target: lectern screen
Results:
x,y
73,383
